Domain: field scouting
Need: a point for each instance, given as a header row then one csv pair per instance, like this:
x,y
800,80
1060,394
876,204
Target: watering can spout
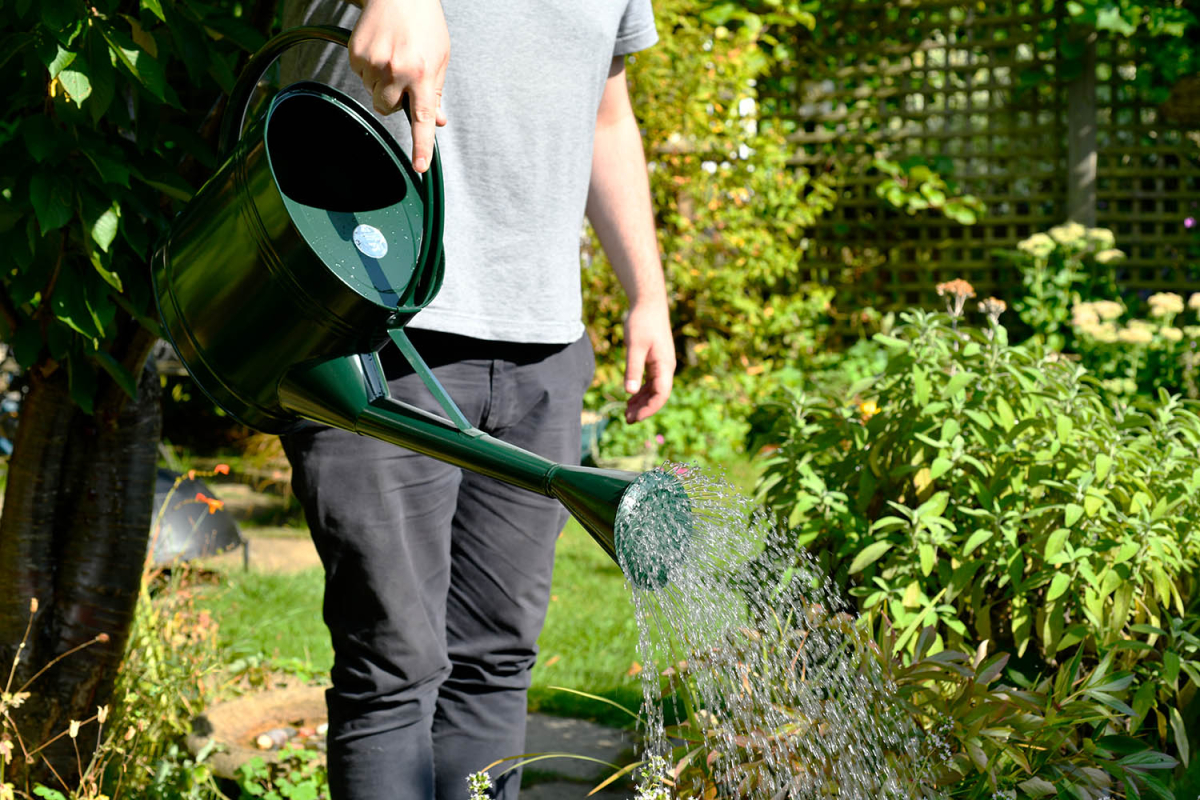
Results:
x,y
593,497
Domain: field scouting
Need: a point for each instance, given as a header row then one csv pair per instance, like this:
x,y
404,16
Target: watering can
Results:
x,y
313,245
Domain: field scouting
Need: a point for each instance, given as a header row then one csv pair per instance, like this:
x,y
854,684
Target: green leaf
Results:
x,y
1171,665
155,8
1057,586
890,341
934,506
53,200
1110,19
959,382
1181,737
1037,787
110,170
1092,504
1055,543
976,539
1072,514
939,468
928,557
869,555
1004,414
62,59
76,85
118,373
1064,426
921,387
104,229
140,64
1103,465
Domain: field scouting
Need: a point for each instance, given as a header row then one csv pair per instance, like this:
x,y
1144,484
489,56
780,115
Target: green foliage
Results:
x,y
1132,355
1060,736
731,212
710,419
990,492
298,774
1060,269
1068,274
103,103
912,185
1167,30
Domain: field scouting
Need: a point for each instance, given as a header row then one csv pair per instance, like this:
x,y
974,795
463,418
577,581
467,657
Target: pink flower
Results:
x,y
1189,223
659,438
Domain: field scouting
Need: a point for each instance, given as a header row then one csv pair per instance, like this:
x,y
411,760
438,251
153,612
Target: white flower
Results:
x,y
1135,334
1171,334
1106,256
1108,309
480,785
1068,234
1039,245
1101,237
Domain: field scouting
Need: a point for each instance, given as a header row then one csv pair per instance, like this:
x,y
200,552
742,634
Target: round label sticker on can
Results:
x,y
370,241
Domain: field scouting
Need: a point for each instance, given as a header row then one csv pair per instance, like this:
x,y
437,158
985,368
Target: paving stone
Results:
x,y
545,734
562,790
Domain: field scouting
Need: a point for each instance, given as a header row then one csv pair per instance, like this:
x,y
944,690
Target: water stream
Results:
x,y
779,692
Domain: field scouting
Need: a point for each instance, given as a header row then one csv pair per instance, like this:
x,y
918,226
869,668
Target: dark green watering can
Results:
x,y
313,245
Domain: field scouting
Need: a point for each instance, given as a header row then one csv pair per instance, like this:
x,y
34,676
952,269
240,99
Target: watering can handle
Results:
x,y
432,197
235,111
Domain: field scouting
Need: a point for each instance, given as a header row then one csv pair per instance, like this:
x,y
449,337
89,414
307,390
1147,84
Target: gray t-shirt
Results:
x,y
522,90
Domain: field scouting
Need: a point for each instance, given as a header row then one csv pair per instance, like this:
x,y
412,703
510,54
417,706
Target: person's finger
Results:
x,y
651,397
635,365
386,96
423,112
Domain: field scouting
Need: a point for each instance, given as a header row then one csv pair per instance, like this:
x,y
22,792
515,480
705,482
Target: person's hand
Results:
x,y
649,359
400,48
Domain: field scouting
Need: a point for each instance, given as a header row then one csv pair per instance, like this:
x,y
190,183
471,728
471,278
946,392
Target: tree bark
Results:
x,y
77,515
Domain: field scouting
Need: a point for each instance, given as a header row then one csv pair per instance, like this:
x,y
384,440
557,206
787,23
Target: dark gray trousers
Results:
x,y
437,579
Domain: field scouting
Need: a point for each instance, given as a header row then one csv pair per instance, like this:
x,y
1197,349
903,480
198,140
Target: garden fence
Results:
x,y
1009,102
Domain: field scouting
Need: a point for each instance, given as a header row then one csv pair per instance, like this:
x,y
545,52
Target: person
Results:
x,y
438,579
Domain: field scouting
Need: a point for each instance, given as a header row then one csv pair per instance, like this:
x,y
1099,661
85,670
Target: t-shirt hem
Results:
x,y
497,330
638,40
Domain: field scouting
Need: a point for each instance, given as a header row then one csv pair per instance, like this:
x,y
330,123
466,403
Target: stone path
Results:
x,y
546,734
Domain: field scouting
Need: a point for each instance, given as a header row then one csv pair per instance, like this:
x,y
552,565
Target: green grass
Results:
x,y
273,615
589,642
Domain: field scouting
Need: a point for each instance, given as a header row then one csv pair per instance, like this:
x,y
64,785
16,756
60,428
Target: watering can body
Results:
x,y
313,237
313,244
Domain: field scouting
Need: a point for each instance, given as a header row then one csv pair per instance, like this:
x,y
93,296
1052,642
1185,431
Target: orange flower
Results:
x,y
214,505
221,469
868,409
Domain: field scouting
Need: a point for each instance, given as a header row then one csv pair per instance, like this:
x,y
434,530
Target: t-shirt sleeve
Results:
x,y
637,30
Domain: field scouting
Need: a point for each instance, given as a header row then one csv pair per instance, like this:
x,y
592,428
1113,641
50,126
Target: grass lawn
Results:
x,y
589,642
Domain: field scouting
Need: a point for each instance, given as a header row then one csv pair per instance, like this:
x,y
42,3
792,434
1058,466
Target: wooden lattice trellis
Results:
x,y
985,94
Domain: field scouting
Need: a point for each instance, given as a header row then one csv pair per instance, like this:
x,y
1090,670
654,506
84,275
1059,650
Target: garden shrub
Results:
x,y
990,491
731,212
710,418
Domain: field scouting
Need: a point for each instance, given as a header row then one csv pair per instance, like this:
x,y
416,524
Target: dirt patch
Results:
x,y
268,551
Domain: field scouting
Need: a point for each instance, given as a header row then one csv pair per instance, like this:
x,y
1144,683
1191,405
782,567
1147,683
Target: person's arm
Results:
x,y
400,48
618,206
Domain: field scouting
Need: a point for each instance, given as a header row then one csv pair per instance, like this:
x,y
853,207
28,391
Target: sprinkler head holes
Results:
x,y
653,528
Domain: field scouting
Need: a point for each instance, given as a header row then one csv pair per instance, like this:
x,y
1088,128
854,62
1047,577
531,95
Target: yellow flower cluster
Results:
x,y
1098,320
1163,304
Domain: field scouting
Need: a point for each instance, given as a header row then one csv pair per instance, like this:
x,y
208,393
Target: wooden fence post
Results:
x,y
1081,139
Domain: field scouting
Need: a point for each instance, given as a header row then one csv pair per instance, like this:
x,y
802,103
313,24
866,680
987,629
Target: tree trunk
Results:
x,y
77,515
